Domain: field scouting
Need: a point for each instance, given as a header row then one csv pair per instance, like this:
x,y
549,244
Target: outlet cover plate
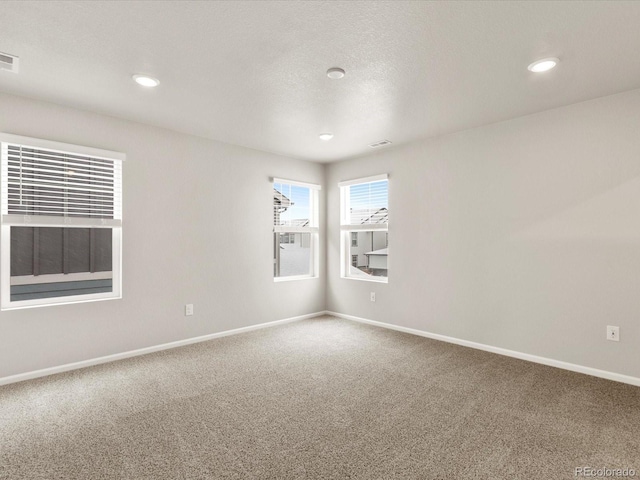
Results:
x,y
613,333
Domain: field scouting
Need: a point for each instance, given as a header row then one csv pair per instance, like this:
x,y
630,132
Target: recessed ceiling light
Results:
x,y
326,136
146,81
543,65
335,73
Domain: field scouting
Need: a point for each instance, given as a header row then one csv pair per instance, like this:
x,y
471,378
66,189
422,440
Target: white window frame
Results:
x,y
7,221
346,228
312,229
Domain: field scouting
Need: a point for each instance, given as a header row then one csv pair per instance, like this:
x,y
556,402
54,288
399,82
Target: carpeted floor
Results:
x,y
322,398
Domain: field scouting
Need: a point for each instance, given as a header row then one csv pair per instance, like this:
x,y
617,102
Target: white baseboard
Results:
x,y
500,351
143,351
465,343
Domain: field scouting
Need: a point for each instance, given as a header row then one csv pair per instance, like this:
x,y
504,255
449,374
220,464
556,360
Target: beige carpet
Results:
x,y
322,398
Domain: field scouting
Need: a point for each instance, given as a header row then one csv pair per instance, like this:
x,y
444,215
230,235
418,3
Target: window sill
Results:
x,y
67,301
374,279
293,278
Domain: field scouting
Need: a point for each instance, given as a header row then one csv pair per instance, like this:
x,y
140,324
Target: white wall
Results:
x,y
197,229
523,235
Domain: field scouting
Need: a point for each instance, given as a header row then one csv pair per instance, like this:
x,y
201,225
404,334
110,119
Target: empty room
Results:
x,y
319,240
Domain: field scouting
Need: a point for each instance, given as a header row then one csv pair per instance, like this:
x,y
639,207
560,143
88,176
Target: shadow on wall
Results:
x,y
613,215
568,276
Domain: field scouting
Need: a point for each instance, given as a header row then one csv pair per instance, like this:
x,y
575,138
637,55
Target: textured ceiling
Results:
x,y
253,73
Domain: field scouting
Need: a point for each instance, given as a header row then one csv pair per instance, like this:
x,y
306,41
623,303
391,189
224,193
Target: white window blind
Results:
x,y
366,204
294,208
51,183
45,182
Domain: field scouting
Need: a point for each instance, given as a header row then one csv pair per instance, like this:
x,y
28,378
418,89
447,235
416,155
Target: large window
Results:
x,y
295,229
364,228
61,223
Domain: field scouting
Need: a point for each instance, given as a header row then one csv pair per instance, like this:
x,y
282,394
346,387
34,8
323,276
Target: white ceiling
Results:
x,y
253,73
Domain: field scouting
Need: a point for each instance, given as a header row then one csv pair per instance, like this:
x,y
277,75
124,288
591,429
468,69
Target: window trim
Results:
x,y
313,229
358,181
62,147
7,221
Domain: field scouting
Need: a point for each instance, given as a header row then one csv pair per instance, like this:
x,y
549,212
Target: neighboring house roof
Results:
x,y
299,222
296,222
280,200
382,251
364,217
280,204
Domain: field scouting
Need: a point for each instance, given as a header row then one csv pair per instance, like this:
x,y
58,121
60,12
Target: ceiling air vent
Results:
x,y
9,62
381,143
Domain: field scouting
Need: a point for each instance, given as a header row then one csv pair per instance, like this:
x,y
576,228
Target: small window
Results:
x,y
364,226
295,229
61,223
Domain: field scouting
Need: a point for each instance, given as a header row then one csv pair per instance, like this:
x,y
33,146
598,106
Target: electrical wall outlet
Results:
x,y
188,309
373,296
613,333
